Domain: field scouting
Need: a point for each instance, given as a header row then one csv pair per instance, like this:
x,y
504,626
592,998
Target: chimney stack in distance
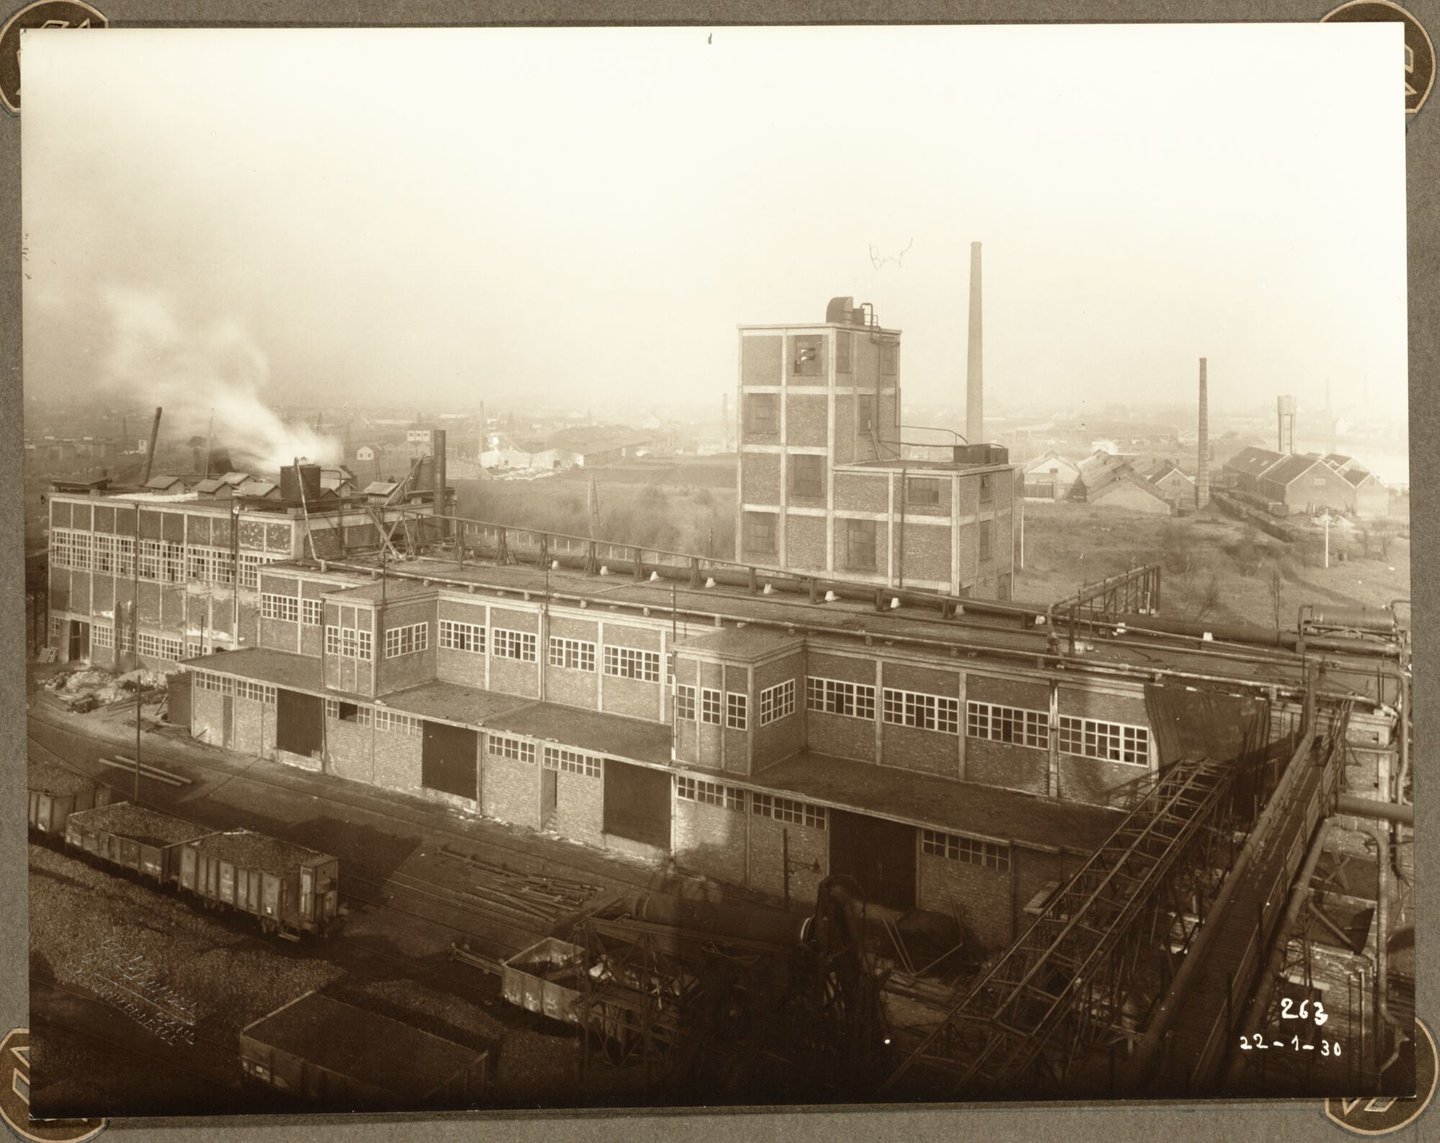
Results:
x,y
974,372
1202,460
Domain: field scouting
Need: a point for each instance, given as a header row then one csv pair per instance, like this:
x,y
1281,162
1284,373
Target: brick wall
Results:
x,y
350,750
1006,765
405,671
397,760
862,492
807,845
786,736
580,808
981,896
207,716
760,478
926,552
634,698
510,791
927,751
805,542
760,359
711,840
807,419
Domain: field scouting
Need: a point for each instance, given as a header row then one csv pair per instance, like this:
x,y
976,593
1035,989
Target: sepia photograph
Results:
x,y
676,567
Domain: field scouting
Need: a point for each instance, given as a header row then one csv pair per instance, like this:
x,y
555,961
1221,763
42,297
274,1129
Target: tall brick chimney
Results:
x,y
974,372
1202,461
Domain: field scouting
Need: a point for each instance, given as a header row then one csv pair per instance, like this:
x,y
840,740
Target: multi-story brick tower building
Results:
x,y
829,485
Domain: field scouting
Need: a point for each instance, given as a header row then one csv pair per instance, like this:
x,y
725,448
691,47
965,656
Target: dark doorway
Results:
x,y
79,641
299,722
877,853
549,797
178,702
448,759
637,803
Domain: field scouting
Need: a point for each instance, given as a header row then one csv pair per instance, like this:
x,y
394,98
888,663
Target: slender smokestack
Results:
x,y
974,372
1202,461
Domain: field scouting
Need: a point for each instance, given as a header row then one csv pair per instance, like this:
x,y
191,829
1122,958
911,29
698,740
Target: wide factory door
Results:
x,y
448,759
299,722
879,854
637,803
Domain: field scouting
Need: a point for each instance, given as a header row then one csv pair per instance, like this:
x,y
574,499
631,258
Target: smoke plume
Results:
x,y
199,372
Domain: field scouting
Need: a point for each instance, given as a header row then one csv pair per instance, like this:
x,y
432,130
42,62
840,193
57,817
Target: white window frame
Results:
x,y
710,793
777,702
839,696
409,639
711,706
685,702
921,711
971,850
516,749
507,643
632,663
737,710
1012,725
571,654
1104,741
787,810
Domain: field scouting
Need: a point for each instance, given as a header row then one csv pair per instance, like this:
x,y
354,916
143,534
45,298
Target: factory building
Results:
x,y
195,587
826,485
947,765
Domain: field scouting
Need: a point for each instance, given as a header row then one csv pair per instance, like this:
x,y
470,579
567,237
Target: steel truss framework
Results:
x,y
1070,984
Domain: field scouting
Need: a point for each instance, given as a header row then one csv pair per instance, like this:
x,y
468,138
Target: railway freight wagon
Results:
x,y
56,792
350,1059
133,838
288,888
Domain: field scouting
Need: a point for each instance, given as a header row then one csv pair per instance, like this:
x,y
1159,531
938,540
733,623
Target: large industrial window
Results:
x,y
807,475
760,532
685,703
514,644
102,636
574,654
762,414
570,762
922,492
710,793
844,351
311,611
777,702
924,712
408,640
736,709
834,696
987,488
1109,741
1007,724
284,607
889,357
516,749
786,810
630,663
860,545
456,636
986,528
985,854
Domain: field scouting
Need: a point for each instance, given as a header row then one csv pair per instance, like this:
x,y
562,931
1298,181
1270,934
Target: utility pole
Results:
x,y
135,641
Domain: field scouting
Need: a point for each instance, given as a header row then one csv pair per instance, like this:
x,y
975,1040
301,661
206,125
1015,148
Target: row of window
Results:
x,y
516,749
161,647
985,854
291,609
388,720
777,702
572,654
571,762
735,707
1085,737
410,639
259,692
759,537
161,561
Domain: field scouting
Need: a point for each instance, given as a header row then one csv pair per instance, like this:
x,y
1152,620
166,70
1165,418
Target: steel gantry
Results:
x,y
1075,980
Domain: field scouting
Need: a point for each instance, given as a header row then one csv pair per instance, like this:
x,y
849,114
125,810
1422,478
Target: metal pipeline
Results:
x,y
1381,833
1395,812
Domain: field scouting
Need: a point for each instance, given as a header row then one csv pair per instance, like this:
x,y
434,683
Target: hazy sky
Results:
x,y
440,217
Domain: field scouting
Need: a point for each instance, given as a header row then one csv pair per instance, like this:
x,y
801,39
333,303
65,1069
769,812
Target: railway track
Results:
x,y
527,859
